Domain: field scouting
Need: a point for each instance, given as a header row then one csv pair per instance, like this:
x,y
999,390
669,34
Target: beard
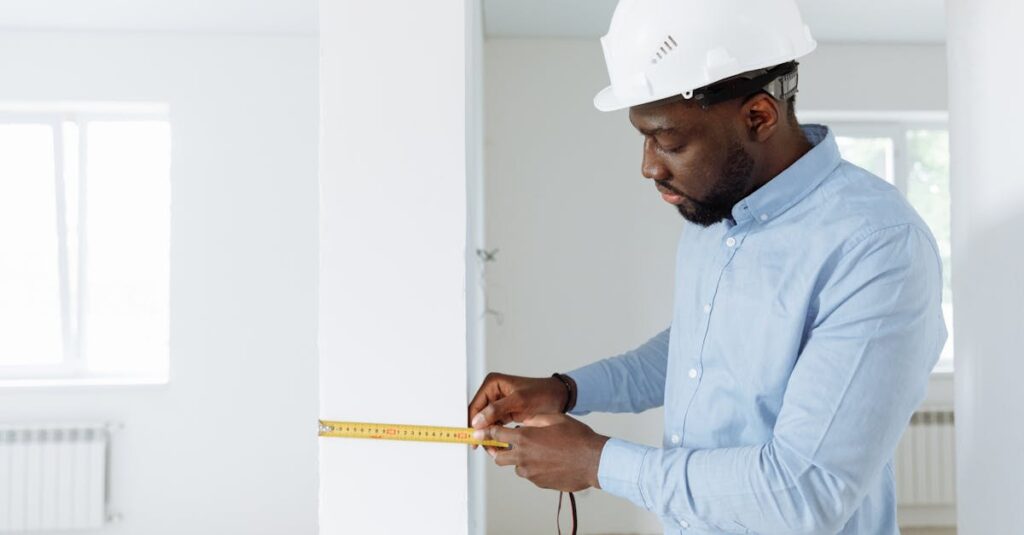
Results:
x,y
732,186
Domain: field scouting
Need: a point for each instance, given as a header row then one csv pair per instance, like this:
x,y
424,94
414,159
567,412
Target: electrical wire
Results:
x,y
558,515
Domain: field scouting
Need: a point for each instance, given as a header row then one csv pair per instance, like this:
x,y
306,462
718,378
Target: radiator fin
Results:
x,y
925,466
52,477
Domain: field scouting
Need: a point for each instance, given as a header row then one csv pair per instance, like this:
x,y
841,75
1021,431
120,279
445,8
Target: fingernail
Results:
x,y
492,454
479,434
478,420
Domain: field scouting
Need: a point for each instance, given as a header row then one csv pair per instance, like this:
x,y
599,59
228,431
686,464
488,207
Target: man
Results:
x,y
807,303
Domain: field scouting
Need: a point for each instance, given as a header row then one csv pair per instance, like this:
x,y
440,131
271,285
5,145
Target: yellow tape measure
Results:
x,y
417,433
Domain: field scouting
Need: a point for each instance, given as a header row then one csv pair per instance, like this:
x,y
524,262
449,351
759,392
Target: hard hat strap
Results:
x,y
780,82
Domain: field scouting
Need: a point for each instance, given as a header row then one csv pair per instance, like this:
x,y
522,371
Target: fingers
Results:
x,y
488,392
498,411
505,458
499,433
505,434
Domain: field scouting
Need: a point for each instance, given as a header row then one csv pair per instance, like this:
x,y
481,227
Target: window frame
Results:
x,y
73,366
894,125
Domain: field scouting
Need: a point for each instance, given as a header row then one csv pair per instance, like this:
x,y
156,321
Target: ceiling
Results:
x,y
886,21
858,21
224,16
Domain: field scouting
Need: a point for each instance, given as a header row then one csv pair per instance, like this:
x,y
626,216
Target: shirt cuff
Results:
x,y
619,470
590,388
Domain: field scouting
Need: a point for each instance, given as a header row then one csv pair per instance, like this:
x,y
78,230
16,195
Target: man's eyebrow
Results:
x,y
658,131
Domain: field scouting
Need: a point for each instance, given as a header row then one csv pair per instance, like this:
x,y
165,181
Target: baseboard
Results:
x,y
937,516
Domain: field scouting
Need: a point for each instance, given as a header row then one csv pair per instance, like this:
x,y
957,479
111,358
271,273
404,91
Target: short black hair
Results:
x,y
792,110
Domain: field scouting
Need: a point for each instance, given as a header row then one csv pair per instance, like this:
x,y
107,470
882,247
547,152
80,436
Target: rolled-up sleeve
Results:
x,y
876,334
631,382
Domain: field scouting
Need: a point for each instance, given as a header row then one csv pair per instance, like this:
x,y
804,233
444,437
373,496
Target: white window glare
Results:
x,y
30,294
84,246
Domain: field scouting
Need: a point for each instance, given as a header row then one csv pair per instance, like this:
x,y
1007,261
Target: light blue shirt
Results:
x,y
801,342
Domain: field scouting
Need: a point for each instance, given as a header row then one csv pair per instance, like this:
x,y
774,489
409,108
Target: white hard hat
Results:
x,y
657,49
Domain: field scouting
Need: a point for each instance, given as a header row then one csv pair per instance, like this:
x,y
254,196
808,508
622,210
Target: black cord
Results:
x,y
572,502
558,516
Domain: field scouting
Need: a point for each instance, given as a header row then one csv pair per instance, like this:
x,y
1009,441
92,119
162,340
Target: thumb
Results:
x,y
497,411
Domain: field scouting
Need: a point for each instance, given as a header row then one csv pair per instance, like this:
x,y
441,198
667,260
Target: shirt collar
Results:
x,y
796,182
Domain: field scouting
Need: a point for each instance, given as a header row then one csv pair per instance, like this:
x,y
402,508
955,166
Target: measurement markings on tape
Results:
x,y
417,433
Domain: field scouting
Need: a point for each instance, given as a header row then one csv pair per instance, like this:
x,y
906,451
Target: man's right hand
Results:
x,y
502,399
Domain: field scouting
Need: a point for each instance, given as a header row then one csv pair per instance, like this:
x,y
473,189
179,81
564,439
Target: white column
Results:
x,y
393,218
986,75
476,305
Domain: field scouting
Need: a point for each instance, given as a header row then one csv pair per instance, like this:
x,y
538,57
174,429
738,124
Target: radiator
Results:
x,y
53,477
925,470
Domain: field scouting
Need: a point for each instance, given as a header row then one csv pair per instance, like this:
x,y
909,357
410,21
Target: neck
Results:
x,y
784,149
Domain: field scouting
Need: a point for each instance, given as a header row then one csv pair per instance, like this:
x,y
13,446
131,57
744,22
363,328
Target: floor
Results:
x,y
928,531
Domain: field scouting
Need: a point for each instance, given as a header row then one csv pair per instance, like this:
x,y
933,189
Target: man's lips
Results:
x,y
669,195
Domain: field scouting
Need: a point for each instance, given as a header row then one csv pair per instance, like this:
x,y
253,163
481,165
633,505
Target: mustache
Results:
x,y
665,184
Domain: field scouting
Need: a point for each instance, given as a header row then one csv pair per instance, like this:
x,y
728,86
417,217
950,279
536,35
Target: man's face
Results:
x,y
696,157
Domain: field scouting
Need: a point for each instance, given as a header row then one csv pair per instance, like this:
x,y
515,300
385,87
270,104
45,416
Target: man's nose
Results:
x,y
652,167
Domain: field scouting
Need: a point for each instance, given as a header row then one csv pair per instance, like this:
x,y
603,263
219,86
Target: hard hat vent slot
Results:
x,y
668,45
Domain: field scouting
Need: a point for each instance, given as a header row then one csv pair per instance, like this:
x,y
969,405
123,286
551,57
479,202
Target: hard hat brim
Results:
x,y
607,101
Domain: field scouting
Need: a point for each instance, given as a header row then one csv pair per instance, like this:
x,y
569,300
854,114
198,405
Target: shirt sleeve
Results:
x,y
876,335
631,382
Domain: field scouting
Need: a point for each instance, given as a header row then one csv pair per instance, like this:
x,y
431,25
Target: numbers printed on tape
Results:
x,y
417,433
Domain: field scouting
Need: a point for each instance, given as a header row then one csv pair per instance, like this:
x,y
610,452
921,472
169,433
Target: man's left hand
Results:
x,y
553,451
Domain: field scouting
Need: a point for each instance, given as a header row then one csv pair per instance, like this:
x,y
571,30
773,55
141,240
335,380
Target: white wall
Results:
x,y
859,77
586,251
229,445
585,268
393,266
988,213
476,240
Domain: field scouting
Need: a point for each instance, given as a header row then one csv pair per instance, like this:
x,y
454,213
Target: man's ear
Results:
x,y
761,114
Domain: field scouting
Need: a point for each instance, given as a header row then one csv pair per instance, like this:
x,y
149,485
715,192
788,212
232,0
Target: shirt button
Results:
x,y
764,217
693,373
731,242
675,439
684,524
707,308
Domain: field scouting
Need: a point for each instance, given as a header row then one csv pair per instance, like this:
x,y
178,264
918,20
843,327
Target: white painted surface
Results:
x,y
586,244
860,21
988,213
226,16
849,77
392,264
586,252
476,303
836,21
229,445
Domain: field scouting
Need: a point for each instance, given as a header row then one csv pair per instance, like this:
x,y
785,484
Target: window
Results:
x,y
912,153
84,242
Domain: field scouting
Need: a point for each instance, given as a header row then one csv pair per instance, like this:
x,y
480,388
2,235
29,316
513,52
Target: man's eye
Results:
x,y
672,149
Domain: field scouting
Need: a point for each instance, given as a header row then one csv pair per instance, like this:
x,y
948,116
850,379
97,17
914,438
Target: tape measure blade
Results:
x,y
413,433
